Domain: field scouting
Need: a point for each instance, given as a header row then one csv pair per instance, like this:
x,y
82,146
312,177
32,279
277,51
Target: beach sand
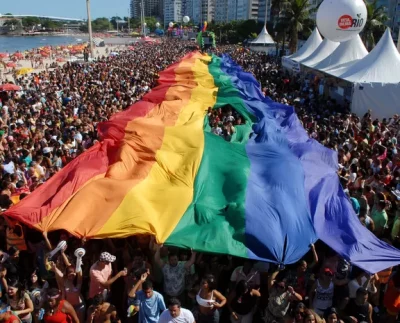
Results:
x,y
6,75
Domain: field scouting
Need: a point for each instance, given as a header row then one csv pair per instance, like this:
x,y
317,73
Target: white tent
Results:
x,y
292,62
263,38
323,51
345,55
381,65
376,80
309,47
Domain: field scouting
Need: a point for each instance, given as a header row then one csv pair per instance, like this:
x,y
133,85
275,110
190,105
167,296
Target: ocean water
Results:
x,y
12,44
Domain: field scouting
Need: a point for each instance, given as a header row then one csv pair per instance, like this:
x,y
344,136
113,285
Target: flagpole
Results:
x,y
89,27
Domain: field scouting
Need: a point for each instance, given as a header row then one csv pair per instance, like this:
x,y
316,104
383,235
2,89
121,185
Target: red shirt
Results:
x,y
12,319
59,316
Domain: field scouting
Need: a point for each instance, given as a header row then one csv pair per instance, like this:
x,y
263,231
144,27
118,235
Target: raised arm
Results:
x,y
133,290
191,261
315,256
65,258
271,279
79,280
108,283
46,239
157,257
59,277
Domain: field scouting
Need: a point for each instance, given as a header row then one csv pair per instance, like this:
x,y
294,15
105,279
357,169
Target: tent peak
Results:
x,y
381,65
264,37
309,46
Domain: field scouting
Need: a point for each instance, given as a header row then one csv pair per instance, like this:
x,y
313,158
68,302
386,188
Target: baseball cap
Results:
x,y
107,257
47,150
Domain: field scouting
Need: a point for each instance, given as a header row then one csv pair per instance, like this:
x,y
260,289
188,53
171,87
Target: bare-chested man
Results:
x,y
102,312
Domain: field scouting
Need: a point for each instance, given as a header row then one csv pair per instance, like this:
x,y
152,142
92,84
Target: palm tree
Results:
x,y
375,24
296,18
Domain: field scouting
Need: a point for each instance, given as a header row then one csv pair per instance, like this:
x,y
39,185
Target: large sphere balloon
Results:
x,y
171,24
341,20
158,24
186,19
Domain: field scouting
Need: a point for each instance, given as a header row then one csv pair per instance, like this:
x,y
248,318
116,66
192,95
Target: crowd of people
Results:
x,y
53,120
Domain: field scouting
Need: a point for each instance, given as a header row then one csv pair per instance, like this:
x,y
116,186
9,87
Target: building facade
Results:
x,y
199,10
392,10
172,11
229,10
207,10
396,16
247,9
192,9
152,8
221,11
264,8
232,10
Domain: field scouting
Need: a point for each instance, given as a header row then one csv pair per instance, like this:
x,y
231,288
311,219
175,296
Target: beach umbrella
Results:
x,y
11,64
18,55
4,55
24,70
131,48
10,87
60,59
114,54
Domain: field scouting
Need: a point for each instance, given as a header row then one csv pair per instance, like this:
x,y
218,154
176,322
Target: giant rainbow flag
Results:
x,y
158,170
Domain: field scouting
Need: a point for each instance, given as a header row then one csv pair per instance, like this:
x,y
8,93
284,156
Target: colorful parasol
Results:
x,y
10,87
24,70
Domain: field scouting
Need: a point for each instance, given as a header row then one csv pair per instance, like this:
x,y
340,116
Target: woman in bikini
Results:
x,y
70,285
209,301
58,310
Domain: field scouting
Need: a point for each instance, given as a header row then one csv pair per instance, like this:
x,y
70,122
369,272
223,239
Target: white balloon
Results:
x,y
157,24
341,20
171,24
186,19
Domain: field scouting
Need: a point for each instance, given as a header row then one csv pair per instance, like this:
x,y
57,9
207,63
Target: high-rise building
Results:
x,y
152,8
207,10
228,10
392,10
264,7
199,10
192,9
247,9
232,10
396,16
161,9
221,11
172,11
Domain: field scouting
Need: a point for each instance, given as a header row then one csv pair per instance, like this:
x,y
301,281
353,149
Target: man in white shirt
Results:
x,y
248,273
176,314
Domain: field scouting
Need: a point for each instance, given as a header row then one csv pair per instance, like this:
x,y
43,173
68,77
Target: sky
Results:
x,y
66,8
